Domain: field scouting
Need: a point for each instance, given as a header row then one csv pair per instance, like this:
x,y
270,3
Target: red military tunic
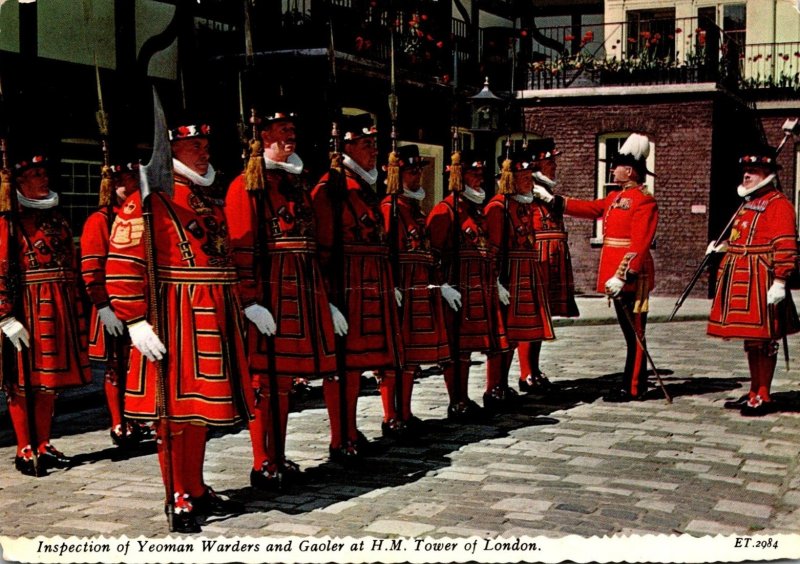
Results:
x,y
630,218
369,305
198,305
481,326
555,263
52,309
762,248
304,342
423,329
527,317
94,249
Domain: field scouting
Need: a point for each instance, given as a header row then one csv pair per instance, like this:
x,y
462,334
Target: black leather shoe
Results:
x,y
394,429
212,504
757,408
414,425
619,396
25,466
184,522
346,454
53,458
737,403
265,479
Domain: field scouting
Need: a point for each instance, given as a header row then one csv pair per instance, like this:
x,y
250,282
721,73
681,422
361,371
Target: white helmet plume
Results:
x,y
637,146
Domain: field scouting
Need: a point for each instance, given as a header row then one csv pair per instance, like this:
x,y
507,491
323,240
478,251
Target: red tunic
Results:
x,y
480,323
372,340
763,248
304,343
630,218
94,249
422,323
198,305
555,263
527,317
52,309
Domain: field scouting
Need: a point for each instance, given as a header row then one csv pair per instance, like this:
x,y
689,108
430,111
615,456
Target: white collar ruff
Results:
x,y
473,195
49,201
206,179
744,192
418,194
523,198
293,165
370,177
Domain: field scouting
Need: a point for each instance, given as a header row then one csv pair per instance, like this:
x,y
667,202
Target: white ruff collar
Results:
x,y
543,179
206,179
370,177
418,194
293,165
49,201
523,198
743,192
474,196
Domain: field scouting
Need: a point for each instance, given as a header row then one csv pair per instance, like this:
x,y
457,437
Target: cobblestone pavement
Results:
x,y
600,469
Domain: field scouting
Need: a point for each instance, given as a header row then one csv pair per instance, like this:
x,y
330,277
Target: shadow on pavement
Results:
x,y
392,463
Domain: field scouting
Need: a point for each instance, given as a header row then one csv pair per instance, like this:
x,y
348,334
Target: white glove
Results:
x,y
146,341
614,286
451,296
112,323
398,297
16,332
340,326
542,194
261,318
503,294
713,247
776,292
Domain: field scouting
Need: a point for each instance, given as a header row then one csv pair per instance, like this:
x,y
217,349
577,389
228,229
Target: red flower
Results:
x,y
569,37
446,78
670,36
588,36
429,37
419,33
797,53
424,17
678,30
645,34
631,40
439,44
523,33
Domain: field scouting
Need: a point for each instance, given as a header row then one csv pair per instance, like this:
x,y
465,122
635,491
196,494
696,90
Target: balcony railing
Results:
x,y
661,51
771,65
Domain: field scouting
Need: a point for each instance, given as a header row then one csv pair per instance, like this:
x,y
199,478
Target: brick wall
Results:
x,y
682,132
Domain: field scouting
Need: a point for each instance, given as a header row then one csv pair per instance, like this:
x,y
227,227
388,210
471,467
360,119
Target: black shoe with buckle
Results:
x,y
24,464
620,395
346,454
737,403
183,522
51,457
756,407
212,504
393,429
267,479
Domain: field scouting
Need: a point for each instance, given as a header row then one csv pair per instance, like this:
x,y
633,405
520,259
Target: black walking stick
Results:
x,y
640,341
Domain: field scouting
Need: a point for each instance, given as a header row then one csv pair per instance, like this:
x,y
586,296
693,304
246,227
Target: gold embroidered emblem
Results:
x,y
735,234
127,233
129,208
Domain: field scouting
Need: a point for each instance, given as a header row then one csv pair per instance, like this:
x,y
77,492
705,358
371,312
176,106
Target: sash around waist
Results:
x,y
188,275
366,249
48,275
615,242
550,235
749,249
416,256
292,246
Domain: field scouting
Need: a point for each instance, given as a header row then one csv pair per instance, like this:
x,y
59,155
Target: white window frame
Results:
x,y
604,172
